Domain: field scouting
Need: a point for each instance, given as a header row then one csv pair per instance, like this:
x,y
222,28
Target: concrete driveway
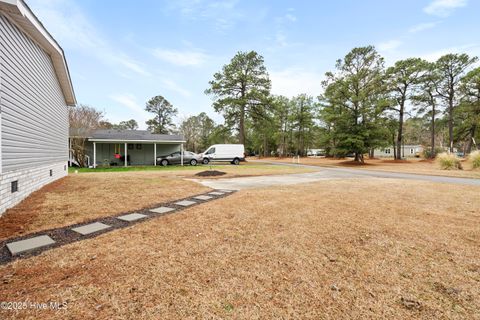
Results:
x,y
322,173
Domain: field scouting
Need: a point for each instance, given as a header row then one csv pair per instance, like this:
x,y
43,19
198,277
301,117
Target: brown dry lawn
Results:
x,y
82,197
419,166
370,248
86,196
244,170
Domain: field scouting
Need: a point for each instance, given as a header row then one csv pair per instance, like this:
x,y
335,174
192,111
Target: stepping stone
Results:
x,y
185,203
132,217
203,197
91,228
216,193
29,244
162,210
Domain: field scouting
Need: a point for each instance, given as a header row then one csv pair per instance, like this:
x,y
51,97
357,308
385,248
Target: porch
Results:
x,y
115,153
110,147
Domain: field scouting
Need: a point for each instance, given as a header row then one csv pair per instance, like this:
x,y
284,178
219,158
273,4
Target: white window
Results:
x,y
387,151
411,151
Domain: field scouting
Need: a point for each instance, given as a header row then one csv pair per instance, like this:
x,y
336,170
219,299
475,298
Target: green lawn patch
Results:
x,y
133,168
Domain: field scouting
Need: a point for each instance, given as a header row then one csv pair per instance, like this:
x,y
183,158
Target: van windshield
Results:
x,y
210,151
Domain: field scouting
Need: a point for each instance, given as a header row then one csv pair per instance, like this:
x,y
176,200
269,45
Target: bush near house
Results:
x,y
427,153
448,161
474,159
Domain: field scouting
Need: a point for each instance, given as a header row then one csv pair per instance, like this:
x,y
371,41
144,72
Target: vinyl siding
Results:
x,y
34,113
143,156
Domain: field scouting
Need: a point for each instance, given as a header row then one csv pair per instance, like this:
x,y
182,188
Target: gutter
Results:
x,y
135,141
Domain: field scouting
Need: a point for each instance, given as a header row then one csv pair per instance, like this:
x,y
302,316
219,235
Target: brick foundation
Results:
x,y
29,180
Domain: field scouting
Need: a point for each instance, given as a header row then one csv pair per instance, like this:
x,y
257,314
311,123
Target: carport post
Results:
x,y
181,154
154,154
94,155
70,151
126,155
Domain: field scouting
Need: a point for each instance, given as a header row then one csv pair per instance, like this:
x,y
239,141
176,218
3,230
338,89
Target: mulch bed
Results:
x,y
65,235
396,161
353,163
210,173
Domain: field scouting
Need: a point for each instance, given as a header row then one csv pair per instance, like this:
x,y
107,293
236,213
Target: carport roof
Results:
x,y
114,135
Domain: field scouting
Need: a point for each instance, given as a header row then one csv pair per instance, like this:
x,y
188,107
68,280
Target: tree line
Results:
x,y
364,106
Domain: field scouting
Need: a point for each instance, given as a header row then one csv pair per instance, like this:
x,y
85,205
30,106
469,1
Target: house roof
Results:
x,y
114,135
23,17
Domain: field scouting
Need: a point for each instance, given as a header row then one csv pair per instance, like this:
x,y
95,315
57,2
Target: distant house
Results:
x,y
35,90
408,151
315,152
127,147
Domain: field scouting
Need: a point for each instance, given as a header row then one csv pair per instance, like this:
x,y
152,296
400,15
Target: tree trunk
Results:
x,y
450,122
394,146
432,153
371,153
398,155
241,126
265,146
359,157
473,130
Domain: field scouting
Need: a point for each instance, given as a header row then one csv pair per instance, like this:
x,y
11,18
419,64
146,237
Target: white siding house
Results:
x,y
35,89
408,151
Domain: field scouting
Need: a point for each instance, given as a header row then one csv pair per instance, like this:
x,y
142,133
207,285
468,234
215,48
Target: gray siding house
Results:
x,y
127,147
35,89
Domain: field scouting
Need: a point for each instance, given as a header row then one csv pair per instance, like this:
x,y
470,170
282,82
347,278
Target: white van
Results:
x,y
233,153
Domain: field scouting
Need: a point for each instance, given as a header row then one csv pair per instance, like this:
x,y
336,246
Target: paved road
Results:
x,y
323,173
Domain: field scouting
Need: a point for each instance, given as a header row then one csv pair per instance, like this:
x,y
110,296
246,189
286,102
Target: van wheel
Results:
x,y
164,162
205,161
193,162
236,161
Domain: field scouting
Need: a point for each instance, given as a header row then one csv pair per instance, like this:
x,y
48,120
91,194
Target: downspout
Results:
x,y
70,151
126,154
181,154
1,154
154,153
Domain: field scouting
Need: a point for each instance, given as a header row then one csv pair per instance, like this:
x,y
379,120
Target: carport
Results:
x,y
130,147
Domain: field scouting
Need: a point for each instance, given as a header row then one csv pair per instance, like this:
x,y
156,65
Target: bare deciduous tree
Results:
x,y
83,120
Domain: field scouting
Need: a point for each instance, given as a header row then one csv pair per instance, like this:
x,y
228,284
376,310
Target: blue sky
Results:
x,y
121,53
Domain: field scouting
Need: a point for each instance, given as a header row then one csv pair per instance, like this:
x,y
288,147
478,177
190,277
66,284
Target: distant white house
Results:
x,y
315,152
408,151
35,90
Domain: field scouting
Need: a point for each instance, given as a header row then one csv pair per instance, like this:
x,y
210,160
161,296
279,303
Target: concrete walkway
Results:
x,y
323,173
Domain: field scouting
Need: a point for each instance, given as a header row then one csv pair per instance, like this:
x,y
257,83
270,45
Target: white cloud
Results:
x,y
422,27
68,24
443,8
389,45
175,87
129,101
290,17
470,49
281,39
223,14
293,81
180,58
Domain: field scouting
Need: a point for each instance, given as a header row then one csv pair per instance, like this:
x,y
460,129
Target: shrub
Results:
x,y
448,161
474,159
427,152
